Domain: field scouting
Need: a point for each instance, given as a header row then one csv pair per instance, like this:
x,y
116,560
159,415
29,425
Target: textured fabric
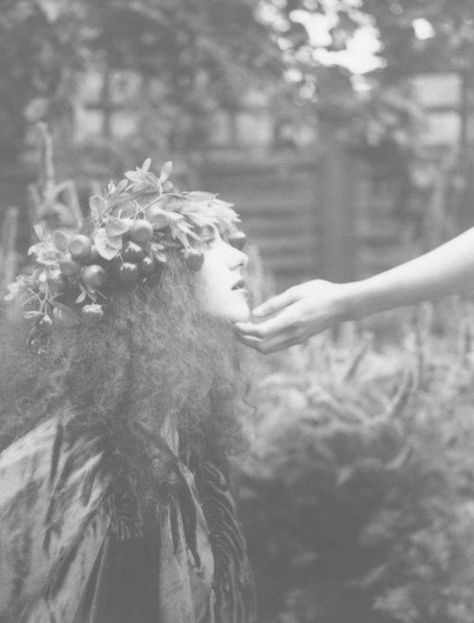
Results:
x,y
52,523
63,558
233,578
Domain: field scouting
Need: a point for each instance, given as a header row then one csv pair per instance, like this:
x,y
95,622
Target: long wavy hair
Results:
x,y
154,356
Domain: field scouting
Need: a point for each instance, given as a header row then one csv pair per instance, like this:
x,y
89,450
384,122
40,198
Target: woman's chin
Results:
x,y
242,315
238,313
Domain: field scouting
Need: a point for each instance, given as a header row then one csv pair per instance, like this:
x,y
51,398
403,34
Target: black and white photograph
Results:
x,y
237,311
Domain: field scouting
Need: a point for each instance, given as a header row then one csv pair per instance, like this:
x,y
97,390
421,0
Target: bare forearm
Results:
x,y
448,269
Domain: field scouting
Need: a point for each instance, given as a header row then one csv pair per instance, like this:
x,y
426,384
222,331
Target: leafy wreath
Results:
x,y
133,226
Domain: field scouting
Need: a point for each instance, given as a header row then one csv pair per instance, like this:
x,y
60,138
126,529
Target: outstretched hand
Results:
x,y
294,316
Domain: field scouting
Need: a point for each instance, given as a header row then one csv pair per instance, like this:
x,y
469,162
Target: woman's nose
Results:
x,y
241,258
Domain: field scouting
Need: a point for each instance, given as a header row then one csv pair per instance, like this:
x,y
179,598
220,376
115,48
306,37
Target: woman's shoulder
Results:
x,y
54,481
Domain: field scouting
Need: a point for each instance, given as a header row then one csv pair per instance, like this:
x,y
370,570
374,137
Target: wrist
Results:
x,y
352,301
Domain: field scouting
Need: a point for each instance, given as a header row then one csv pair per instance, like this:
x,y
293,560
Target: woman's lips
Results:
x,y
239,285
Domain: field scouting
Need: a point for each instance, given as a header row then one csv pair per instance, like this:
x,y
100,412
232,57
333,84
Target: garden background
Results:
x,y
342,130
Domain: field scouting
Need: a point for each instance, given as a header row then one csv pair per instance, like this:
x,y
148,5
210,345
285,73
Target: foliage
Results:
x,y
40,48
132,227
449,48
445,46
201,53
358,498
414,37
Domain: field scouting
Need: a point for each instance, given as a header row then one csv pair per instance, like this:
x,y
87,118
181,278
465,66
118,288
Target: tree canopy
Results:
x,y
202,52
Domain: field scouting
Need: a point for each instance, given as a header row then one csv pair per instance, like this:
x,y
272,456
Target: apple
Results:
x,y
147,266
238,240
141,231
56,280
132,253
93,257
94,276
80,247
69,267
92,314
128,273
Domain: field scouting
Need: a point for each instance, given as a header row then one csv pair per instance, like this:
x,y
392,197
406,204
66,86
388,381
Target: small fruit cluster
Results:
x,y
135,262
134,226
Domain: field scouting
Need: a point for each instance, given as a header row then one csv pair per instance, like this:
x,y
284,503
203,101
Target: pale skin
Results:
x,y
220,284
312,307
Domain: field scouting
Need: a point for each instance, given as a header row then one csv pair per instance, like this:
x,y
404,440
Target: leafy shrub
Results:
x,y
358,497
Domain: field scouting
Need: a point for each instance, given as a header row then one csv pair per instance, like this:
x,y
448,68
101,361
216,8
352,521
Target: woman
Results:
x,y
118,417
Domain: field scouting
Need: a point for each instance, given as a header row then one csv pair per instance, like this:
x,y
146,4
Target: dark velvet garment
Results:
x,y
123,586
65,559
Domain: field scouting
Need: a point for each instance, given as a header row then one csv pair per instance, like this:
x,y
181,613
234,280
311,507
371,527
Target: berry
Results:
x,y
147,266
80,247
56,280
128,273
61,319
116,262
238,240
69,267
92,314
141,231
194,259
93,257
132,253
94,276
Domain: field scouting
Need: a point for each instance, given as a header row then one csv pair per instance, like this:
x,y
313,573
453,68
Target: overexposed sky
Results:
x,y
361,54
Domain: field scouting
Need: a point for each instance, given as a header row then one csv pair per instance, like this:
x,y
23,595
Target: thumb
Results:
x,y
276,303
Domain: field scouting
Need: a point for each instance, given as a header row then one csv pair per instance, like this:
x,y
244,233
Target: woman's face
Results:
x,y
220,282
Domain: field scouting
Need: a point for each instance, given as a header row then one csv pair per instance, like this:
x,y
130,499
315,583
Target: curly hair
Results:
x,y
154,356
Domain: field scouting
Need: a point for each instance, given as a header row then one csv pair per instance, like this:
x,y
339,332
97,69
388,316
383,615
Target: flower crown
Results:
x,y
133,227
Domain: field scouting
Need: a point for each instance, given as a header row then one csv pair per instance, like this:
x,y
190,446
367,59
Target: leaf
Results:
x,y
98,207
41,231
61,241
175,217
116,226
197,195
116,242
133,176
178,234
66,316
17,288
46,253
158,252
158,217
29,315
146,165
165,171
122,185
160,257
83,296
106,247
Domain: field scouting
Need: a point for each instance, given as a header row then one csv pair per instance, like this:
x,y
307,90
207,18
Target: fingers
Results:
x,y
268,328
276,303
269,345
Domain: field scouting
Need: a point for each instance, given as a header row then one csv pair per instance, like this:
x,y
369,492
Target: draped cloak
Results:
x,y
64,558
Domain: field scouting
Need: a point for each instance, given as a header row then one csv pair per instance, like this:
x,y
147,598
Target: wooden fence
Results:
x,y
309,216
278,202
312,217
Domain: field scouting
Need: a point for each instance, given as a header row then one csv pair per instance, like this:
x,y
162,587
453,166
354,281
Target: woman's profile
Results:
x,y
117,416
